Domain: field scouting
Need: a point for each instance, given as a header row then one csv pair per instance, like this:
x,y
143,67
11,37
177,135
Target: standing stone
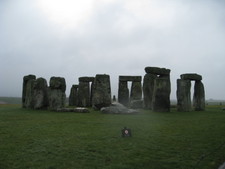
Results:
x,y
40,95
57,94
136,91
161,95
148,87
84,94
84,91
25,81
101,91
73,97
29,94
199,96
123,94
183,95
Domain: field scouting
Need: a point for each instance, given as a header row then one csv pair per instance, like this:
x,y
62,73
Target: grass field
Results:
x,y
51,140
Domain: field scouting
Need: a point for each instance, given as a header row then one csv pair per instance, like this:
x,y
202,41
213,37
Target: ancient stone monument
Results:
x,y
40,94
101,91
85,91
73,97
57,94
156,89
184,94
27,94
123,91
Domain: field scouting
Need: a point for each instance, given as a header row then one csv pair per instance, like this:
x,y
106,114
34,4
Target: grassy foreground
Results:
x,y
50,140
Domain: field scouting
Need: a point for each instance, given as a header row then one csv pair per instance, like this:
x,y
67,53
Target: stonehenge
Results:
x,y
95,92
123,92
156,89
101,91
184,93
37,95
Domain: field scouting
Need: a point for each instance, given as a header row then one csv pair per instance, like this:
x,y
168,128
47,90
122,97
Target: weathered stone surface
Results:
x,y
123,93
75,110
161,95
117,108
29,94
157,70
25,81
84,94
56,92
86,79
40,95
130,78
58,83
191,76
73,97
136,104
183,95
136,91
101,91
148,87
199,96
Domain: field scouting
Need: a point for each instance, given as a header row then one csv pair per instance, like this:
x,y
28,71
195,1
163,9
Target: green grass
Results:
x,y
50,140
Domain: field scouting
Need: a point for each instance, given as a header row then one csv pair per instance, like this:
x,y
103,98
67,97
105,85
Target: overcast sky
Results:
x,y
75,38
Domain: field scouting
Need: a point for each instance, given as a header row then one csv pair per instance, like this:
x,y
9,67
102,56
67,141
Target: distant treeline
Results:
x,y
10,100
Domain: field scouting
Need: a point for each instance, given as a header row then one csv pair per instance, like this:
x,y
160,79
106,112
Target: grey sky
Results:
x,y
72,38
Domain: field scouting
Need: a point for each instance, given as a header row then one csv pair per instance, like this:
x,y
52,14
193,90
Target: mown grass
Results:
x,y
37,139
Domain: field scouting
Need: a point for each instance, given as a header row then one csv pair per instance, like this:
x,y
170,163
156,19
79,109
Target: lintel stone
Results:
x,y
157,70
191,76
130,78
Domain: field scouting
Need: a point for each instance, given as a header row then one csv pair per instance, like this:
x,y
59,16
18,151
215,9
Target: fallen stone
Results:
x,y
117,108
75,110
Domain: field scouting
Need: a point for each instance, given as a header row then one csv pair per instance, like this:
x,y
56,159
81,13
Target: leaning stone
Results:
x,y
191,76
199,96
101,91
130,78
157,70
183,95
148,87
40,94
161,95
25,80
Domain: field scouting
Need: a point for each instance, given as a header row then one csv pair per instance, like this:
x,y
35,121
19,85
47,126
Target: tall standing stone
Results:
x,y
57,94
24,94
148,87
84,91
40,96
183,95
73,97
123,93
29,94
101,91
161,95
199,96
136,91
